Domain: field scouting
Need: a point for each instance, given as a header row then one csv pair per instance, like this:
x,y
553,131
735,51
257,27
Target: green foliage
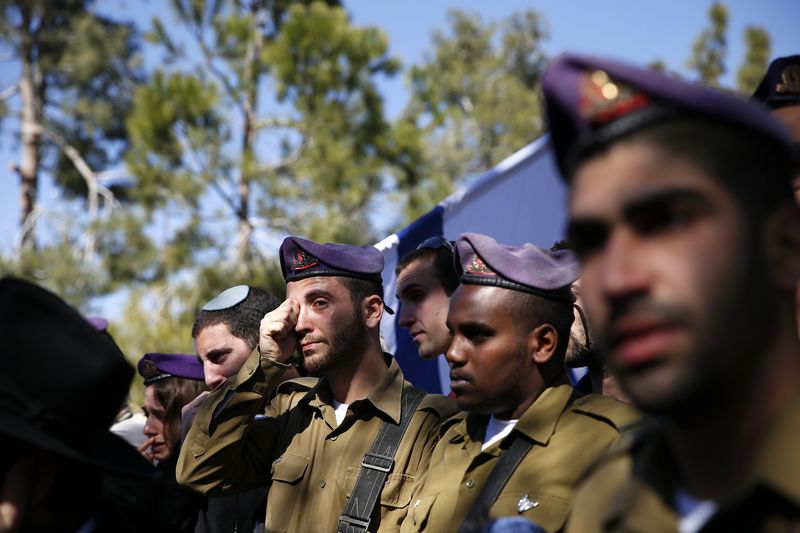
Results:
x,y
756,60
174,124
711,47
476,102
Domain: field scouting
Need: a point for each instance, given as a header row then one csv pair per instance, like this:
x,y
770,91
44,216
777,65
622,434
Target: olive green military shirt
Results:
x,y
632,488
296,446
568,434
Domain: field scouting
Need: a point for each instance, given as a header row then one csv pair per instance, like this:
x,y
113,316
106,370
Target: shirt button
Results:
x,y
335,437
470,483
322,484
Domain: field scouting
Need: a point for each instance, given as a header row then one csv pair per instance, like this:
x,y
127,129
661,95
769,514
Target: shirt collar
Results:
x,y
386,397
539,421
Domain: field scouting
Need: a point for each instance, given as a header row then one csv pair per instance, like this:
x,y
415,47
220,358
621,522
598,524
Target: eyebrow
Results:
x,y
636,207
316,293
217,353
664,198
408,287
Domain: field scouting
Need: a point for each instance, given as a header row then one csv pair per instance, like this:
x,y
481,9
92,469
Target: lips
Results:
x,y
458,380
309,344
640,340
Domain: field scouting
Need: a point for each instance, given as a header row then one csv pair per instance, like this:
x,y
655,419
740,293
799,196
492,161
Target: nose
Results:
x,y
303,324
456,355
149,430
623,272
212,375
405,316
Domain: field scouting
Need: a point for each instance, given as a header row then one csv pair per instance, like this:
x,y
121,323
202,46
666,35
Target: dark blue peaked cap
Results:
x,y
591,102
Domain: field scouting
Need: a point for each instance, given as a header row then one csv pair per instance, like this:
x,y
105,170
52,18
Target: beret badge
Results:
x,y
602,99
790,80
303,260
150,372
479,268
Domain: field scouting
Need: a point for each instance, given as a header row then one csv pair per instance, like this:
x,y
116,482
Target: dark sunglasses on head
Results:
x,y
436,242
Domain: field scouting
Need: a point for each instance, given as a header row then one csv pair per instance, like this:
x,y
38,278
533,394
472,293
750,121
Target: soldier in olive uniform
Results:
x,y
511,318
681,212
311,444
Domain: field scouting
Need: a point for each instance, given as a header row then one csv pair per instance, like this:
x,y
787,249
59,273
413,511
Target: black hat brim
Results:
x,y
104,450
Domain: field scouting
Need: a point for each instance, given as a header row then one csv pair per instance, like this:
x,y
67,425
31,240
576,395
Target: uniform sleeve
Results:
x,y
226,451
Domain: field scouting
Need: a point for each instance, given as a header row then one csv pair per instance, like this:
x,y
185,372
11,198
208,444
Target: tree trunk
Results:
x,y
31,88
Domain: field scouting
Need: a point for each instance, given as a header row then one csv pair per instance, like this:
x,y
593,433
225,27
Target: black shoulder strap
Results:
x,y
376,465
508,462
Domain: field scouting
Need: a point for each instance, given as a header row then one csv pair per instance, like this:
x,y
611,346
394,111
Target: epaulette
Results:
x,y
452,421
618,414
631,439
296,385
445,407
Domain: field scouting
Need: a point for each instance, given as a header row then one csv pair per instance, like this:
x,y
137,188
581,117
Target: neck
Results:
x,y
357,380
715,449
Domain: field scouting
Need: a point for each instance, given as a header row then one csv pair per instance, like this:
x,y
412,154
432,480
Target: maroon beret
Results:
x,y
591,102
302,258
156,366
481,260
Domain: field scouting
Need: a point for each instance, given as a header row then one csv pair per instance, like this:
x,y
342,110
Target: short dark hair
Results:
x,y
361,288
444,267
243,319
531,310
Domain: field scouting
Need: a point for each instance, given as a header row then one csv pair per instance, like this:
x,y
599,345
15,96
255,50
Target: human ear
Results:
x,y
542,343
782,245
372,309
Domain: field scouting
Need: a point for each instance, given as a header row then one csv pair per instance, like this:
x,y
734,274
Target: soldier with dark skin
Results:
x,y
510,320
681,211
314,433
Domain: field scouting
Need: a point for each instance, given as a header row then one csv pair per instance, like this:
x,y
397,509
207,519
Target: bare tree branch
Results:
x,y
9,91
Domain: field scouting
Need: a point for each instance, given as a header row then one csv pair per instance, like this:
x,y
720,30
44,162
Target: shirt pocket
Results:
x,y
287,474
547,510
418,514
396,493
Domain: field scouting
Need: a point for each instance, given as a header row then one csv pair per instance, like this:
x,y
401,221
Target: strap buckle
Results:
x,y
373,461
348,520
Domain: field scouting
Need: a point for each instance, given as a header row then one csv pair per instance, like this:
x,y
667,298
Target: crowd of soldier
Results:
x,y
292,417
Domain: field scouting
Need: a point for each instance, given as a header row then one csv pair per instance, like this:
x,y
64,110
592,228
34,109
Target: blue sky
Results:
x,y
636,30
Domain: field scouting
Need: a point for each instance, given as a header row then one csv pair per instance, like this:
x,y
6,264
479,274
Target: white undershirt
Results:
x,y
693,513
496,430
340,410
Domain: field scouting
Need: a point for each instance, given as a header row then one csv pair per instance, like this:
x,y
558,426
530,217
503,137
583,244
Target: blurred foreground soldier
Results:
x,y
57,401
312,446
129,421
682,214
527,435
426,278
225,332
171,381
